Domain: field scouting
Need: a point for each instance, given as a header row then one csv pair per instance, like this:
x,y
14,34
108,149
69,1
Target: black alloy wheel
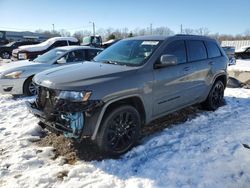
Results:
x,y
120,131
215,97
5,55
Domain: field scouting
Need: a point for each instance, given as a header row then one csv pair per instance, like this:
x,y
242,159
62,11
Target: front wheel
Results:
x,y
215,97
29,88
5,55
119,131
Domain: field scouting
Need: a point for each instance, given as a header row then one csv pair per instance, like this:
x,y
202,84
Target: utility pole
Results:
x,y
94,28
53,25
181,29
151,29
93,25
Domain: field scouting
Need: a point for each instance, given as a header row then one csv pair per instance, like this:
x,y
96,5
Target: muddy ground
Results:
x,y
73,151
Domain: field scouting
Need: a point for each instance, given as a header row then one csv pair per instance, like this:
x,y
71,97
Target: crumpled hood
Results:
x,y
81,75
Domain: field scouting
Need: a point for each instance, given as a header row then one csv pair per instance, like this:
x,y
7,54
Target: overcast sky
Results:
x,y
222,16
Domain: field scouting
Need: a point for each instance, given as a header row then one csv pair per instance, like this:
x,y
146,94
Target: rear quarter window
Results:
x,y
60,43
212,49
196,50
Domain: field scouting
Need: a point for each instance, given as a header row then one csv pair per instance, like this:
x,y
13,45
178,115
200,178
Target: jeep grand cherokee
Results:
x,y
128,85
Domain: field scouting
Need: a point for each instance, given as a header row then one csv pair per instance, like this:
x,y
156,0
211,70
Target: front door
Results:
x,y
171,82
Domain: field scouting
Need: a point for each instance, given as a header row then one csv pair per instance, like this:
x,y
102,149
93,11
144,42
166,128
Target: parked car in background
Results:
x,y
16,77
243,53
95,41
32,51
6,50
230,52
131,83
109,43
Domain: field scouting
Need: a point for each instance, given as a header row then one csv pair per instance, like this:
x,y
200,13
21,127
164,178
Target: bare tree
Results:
x,y
202,31
162,31
49,33
64,33
188,31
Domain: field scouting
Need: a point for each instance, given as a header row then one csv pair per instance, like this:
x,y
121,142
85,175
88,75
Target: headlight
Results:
x,y
75,96
13,75
22,56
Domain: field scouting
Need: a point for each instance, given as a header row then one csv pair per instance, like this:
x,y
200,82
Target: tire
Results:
x,y
120,131
5,55
29,87
216,96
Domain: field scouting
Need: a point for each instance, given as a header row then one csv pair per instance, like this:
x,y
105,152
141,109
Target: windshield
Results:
x,y
128,52
50,56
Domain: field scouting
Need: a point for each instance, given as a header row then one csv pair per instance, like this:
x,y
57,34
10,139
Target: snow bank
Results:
x,y
206,151
241,65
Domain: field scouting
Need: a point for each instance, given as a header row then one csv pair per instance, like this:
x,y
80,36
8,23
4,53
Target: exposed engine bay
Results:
x,y
60,115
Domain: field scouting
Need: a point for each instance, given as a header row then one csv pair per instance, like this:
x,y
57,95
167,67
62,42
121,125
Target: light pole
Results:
x,y
151,29
53,25
93,24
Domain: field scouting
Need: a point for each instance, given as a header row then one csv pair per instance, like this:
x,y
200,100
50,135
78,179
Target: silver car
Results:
x,y
16,77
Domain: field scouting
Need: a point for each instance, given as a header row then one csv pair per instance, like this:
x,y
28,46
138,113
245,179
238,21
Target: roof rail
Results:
x,y
186,35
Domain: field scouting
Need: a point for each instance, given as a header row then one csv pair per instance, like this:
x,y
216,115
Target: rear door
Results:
x,y
198,60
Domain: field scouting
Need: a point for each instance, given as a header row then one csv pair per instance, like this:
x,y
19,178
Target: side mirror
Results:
x,y
165,61
61,60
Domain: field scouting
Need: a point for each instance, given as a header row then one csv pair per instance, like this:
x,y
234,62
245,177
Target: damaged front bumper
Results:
x,y
65,117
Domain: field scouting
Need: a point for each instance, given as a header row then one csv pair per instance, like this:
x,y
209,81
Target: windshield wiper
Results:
x,y
110,62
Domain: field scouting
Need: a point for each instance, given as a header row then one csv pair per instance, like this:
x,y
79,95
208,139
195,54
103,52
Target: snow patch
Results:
x,y
205,151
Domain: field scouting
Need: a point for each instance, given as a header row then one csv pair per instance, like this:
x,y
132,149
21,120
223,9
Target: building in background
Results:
x,y
236,43
9,36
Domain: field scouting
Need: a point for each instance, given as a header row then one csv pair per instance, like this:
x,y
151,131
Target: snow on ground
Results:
x,y
4,61
205,151
241,65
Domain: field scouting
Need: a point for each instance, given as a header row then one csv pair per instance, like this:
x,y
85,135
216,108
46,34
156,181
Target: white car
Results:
x,y
16,77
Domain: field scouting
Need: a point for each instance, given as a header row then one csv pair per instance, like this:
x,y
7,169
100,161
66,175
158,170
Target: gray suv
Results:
x,y
127,86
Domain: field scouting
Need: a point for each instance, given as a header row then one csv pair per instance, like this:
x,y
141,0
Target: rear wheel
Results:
x,y
29,88
119,131
215,97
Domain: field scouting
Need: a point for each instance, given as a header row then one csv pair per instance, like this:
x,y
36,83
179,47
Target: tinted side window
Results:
x,y
60,43
91,54
178,49
212,49
73,43
196,50
76,56
248,50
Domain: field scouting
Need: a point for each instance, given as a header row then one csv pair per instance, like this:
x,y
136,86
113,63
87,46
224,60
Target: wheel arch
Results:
x,y
221,77
134,100
29,77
